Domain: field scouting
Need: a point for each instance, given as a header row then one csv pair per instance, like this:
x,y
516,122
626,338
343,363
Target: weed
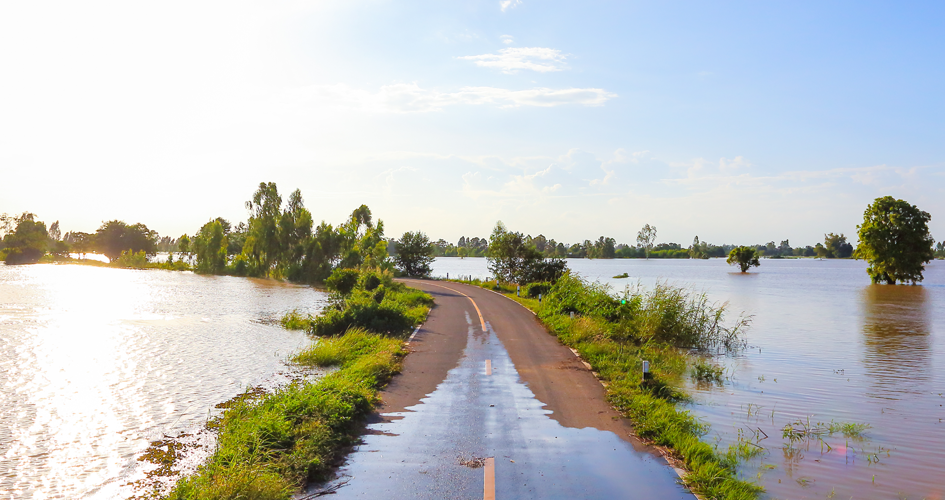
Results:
x,y
703,371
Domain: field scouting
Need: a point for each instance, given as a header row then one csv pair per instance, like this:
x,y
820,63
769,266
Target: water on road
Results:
x,y
825,346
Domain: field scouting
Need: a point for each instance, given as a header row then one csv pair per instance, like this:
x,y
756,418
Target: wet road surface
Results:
x,y
489,405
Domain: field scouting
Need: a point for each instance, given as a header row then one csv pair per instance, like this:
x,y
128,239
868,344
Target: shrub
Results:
x,y
534,289
343,281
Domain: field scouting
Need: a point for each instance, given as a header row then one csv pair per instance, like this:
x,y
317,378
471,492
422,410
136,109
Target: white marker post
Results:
x,y
518,290
646,371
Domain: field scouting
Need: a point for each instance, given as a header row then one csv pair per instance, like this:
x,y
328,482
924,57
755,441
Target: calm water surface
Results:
x,y
98,362
826,345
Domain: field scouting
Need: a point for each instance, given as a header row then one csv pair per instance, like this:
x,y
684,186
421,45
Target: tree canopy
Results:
x,y
114,237
415,254
895,241
744,257
27,243
513,258
645,239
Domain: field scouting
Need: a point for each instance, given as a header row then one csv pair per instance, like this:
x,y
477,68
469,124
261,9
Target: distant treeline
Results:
x,y
280,240
834,246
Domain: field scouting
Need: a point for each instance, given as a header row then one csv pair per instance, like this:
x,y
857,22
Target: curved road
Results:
x,y
489,405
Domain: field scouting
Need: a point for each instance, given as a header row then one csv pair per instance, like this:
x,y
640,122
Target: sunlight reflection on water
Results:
x,y
97,362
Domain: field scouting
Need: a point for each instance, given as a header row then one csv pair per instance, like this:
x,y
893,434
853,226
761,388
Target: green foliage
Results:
x,y
837,246
133,260
704,371
343,281
514,258
209,248
374,302
269,447
115,237
532,290
895,241
27,243
646,237
744,258
415,254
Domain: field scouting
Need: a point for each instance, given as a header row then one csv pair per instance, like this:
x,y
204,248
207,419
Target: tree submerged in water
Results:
x,y
895,241
744,257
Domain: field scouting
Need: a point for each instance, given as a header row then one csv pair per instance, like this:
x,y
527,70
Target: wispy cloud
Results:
x,y
513,59
509,4
411,98
507,39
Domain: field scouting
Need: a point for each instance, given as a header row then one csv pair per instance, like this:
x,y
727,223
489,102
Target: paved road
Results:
x,y
489,405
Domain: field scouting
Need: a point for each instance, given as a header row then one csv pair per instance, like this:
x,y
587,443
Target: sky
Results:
x,y
738,122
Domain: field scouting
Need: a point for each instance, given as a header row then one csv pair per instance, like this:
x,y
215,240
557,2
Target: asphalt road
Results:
x,y
489,405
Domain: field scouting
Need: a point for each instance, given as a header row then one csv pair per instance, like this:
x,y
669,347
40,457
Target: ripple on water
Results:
x,y
99,362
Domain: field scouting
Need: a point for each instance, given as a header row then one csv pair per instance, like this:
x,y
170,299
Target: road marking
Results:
x,y
488,367
481,321
488,489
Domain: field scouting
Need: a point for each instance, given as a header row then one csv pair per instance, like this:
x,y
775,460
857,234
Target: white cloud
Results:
x,y
512,59
509,4
507,39
410,98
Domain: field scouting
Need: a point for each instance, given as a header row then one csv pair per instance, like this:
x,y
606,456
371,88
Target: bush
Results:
x,y
532,290
343,281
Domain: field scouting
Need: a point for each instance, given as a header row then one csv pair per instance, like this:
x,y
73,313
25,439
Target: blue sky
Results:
x,y
735,121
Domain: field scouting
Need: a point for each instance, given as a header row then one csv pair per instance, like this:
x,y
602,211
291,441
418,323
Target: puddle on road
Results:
x,y
420,453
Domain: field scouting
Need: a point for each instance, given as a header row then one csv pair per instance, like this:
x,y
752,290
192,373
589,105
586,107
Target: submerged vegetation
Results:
x,y
615,335
270,446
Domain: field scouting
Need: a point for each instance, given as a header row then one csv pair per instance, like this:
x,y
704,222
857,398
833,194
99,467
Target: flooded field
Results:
x,y
98,362
827,348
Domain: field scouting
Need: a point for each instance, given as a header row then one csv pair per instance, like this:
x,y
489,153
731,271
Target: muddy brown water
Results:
x,y
98,362
825,346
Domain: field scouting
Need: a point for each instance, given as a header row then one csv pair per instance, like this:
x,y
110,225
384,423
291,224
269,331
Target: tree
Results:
x,y
837,246
262,241
821,251
415,254
645,239
114,237
209,247
895,241
744,257
27,243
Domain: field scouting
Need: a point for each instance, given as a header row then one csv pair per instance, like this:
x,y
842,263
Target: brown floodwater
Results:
x,y
826,347
98,362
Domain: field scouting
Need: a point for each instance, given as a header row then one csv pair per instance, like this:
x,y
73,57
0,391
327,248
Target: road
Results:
x,y
489,405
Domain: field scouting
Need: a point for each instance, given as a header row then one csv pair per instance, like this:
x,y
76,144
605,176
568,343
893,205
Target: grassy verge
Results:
x,y
271,445
661,326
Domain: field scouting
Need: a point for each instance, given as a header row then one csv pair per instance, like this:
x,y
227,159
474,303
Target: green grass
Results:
x,y
270,445
615,338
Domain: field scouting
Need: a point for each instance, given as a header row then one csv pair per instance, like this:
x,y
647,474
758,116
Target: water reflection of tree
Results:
x,y
897,354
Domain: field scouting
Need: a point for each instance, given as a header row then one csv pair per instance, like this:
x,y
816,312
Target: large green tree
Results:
x,y
209,247
27,243
895,241
744,258
415,254
115,237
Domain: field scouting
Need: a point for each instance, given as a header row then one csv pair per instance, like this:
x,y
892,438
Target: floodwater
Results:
x,y
98,362
471,415
825,346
